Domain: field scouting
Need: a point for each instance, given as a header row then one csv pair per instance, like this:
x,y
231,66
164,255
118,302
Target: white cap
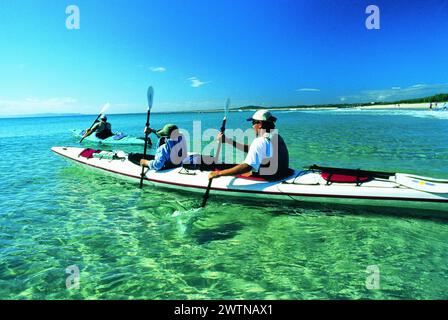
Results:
x,y
263,115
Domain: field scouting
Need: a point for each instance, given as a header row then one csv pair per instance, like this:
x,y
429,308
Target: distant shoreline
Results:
x,y
421,106
390,106
416,106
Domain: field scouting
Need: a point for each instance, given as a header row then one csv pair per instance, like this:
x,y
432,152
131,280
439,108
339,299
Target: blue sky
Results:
x,y
196,53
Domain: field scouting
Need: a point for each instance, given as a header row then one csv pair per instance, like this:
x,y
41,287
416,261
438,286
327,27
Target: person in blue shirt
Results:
x,y
171,150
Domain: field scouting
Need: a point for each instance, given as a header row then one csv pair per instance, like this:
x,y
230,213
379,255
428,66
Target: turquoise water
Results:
x,y
149,244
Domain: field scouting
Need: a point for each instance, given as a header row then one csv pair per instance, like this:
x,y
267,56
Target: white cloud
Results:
x,y
308,90
396,88
32,105
343,99
32,101
157,69
196,83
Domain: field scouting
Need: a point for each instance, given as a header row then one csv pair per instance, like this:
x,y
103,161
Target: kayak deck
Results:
x,y
301,185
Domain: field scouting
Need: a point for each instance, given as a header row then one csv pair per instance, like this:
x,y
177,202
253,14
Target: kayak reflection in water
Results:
x,y
171,148
267,156
102,128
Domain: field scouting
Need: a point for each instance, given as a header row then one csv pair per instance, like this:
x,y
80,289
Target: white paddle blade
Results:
x,y
426,184
105,107
227,107
150,97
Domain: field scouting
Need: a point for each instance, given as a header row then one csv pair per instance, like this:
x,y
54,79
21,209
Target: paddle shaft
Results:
x,y
218,150
91,126
207,192
146,145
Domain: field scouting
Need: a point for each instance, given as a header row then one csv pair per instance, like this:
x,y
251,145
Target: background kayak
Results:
x,y
117,139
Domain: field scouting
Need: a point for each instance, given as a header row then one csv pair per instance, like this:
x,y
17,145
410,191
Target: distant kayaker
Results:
x,y
171,148
102,128
267,156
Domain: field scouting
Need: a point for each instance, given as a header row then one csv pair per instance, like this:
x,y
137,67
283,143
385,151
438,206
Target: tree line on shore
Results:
x,y
442,97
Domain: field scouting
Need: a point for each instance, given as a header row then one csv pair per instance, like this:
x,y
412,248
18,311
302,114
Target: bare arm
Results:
x,y
95,126
89,131
240,146
149,130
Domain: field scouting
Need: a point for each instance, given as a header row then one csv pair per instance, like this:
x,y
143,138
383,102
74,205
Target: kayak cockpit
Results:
x,y
203,163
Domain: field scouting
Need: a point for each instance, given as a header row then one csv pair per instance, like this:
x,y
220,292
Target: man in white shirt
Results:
x,y
267,156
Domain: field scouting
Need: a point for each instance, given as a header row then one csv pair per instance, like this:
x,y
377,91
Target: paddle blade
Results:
x,y
150,97
227,107
105,107
426,184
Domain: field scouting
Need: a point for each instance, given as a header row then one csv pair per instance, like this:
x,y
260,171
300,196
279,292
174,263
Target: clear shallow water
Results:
x,y
150,244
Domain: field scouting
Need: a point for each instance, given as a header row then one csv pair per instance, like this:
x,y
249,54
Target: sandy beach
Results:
x,y
416,106
421,106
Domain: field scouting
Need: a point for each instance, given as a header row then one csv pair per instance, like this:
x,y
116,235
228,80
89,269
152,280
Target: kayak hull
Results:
x,y
299,187
116,139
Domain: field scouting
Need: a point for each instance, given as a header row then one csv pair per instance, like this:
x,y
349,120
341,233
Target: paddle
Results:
x,y
150,97
218,150
103,110
223,128
426,184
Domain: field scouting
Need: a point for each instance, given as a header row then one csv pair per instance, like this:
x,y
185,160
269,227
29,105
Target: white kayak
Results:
x,y
316,185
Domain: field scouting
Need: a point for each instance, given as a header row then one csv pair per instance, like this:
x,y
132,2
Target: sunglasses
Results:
x,y
255,122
